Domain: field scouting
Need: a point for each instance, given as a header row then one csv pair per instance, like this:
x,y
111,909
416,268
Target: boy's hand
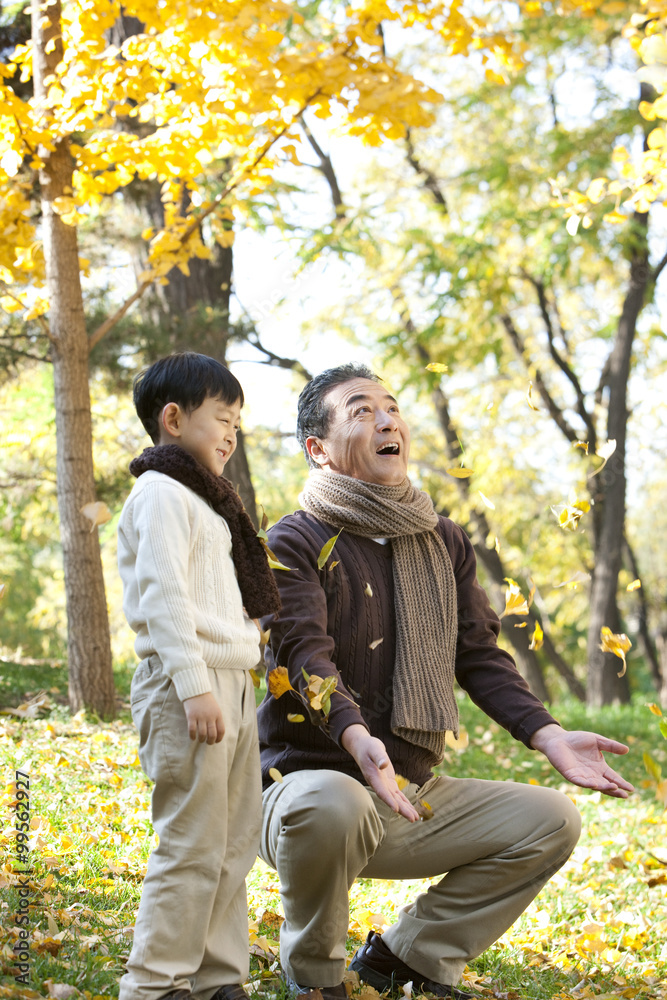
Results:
x,y
204,718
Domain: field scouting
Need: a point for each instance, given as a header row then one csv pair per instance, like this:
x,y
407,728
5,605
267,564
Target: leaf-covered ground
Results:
x,y
599,929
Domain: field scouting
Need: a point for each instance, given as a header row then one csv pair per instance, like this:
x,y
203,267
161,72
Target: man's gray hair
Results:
x,y
314,416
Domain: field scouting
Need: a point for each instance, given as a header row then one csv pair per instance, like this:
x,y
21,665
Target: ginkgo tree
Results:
x,y
200,84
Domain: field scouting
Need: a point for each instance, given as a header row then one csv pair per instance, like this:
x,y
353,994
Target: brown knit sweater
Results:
x,y
328,623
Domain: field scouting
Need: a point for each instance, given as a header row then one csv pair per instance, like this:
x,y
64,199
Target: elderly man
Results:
x,y
395,615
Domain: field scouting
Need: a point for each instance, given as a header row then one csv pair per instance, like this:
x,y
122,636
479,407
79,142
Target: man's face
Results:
x,y
367,438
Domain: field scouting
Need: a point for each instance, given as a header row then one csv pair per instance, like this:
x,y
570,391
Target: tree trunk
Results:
x,y
91,683
604,685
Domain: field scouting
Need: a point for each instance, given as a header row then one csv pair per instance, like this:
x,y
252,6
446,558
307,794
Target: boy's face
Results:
x,y
207,433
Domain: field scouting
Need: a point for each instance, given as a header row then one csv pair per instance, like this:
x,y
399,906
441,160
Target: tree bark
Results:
x,y
604,685
91,683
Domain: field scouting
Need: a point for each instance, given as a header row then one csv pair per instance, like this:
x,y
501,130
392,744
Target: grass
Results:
x,y
599,929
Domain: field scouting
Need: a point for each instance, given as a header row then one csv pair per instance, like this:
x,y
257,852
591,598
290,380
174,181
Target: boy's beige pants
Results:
x,y
192,927
498,841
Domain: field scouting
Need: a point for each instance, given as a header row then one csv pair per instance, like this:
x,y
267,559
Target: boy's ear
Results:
x,y
171,420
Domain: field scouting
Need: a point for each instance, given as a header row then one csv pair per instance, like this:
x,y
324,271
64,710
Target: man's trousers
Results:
x,y
498,842
192,927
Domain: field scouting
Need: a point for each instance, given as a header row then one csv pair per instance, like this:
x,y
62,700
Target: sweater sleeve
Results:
x,y
299,639
162,520
485,671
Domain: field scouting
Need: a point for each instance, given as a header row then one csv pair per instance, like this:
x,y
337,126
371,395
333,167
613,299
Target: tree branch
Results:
x,y
326,168
657,270
554,409
429,181
560,360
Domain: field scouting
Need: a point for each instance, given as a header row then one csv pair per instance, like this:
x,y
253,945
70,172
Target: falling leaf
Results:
x,y
486,501
256,679
568,515
275,774
497,545
459,472
537,638
368,590
436,366
295,717
319,691
459,742
521,625
574,581
529,398
655,709
333,564
97,513
515,602
605,451
375,643
635,585
424,809
326,551
3,590
401,782
581,444
652,767
279,682
616,643
53,926
274,562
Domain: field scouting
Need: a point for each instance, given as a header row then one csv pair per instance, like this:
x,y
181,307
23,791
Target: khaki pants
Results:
x,y
192,927
499,842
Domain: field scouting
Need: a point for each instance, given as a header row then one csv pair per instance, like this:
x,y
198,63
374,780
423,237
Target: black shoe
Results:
x,y
381,969
316,992
234,992
177,995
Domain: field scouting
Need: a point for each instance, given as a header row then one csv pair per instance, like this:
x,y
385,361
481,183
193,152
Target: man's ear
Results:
x,y
317,451
171,420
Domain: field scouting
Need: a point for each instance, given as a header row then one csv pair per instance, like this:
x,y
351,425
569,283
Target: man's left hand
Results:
x,y
579,758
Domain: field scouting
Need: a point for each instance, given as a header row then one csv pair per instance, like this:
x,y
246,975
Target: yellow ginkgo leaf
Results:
x,y
604,451
333,564
515,602
319,691
581,444
655,709
295,717
529,398
368,590
275,774
437,367
485,500
274,562
616,643
97,513
279,682
459,742
255,677
521,625
537,638
401,782
459,472
424,809
326,551
635,585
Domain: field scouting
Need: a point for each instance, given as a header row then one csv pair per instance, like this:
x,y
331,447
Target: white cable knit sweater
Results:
x,y
180,592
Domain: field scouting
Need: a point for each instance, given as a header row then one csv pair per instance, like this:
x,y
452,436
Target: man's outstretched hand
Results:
x,y
373,762
579,757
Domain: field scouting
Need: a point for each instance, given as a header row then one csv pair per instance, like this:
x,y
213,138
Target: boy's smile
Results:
x,y
207,433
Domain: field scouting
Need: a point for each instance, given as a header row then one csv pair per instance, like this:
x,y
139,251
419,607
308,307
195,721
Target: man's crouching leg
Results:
x,y
320,828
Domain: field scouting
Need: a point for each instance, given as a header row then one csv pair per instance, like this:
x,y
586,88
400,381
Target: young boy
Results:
x,y
194,575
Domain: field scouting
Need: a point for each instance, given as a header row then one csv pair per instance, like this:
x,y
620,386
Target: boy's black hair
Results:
x,y
187,379
314,415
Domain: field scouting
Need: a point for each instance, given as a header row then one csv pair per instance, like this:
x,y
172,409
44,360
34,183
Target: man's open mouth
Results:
x,y
389,449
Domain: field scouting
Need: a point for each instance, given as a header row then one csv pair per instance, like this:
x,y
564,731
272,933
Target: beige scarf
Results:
x,y
424,595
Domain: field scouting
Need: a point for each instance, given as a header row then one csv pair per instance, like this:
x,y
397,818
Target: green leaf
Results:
x,y
326,551
663,727
652,767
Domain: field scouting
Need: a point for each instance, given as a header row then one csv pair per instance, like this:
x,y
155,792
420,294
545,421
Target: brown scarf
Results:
x,y
424,595
256,582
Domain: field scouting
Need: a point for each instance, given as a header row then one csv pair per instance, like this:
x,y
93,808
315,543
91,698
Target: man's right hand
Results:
x,y
204,718
373,762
